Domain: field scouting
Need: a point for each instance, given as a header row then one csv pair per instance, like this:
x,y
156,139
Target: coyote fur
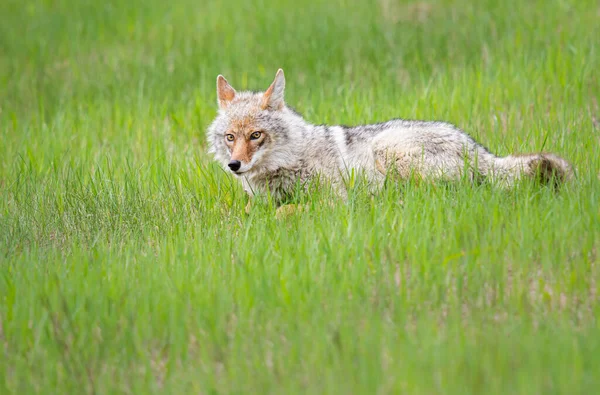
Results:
x,y
270,147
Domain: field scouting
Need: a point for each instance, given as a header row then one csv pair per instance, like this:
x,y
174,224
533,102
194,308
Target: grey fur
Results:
x,y
298,151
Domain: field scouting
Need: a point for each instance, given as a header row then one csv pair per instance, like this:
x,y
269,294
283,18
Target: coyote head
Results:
x,y
248,125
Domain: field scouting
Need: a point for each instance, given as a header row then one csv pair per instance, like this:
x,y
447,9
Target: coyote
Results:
x,y
270,147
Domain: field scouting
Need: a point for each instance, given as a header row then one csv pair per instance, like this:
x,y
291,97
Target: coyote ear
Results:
x,y
225,93
273,97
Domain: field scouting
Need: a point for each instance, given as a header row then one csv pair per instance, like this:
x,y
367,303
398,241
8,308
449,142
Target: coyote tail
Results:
x,y
545,168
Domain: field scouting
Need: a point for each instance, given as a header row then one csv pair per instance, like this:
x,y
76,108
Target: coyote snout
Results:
x,y
245,146
234,165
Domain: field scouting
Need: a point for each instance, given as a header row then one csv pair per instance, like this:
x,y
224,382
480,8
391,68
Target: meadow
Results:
x,y
128,264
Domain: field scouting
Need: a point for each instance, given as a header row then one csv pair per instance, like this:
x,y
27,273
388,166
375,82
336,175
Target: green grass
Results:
x,y
127,264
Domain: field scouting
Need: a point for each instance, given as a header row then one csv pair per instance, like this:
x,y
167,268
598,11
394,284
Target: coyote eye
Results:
x,y
229,137
255,136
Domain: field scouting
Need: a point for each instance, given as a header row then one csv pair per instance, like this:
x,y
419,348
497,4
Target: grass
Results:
x,y
128,265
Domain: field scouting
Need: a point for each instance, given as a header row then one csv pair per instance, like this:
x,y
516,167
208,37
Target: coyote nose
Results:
x,y
235,165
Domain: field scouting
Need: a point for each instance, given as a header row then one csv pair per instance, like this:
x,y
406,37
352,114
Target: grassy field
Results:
x,y
128,265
